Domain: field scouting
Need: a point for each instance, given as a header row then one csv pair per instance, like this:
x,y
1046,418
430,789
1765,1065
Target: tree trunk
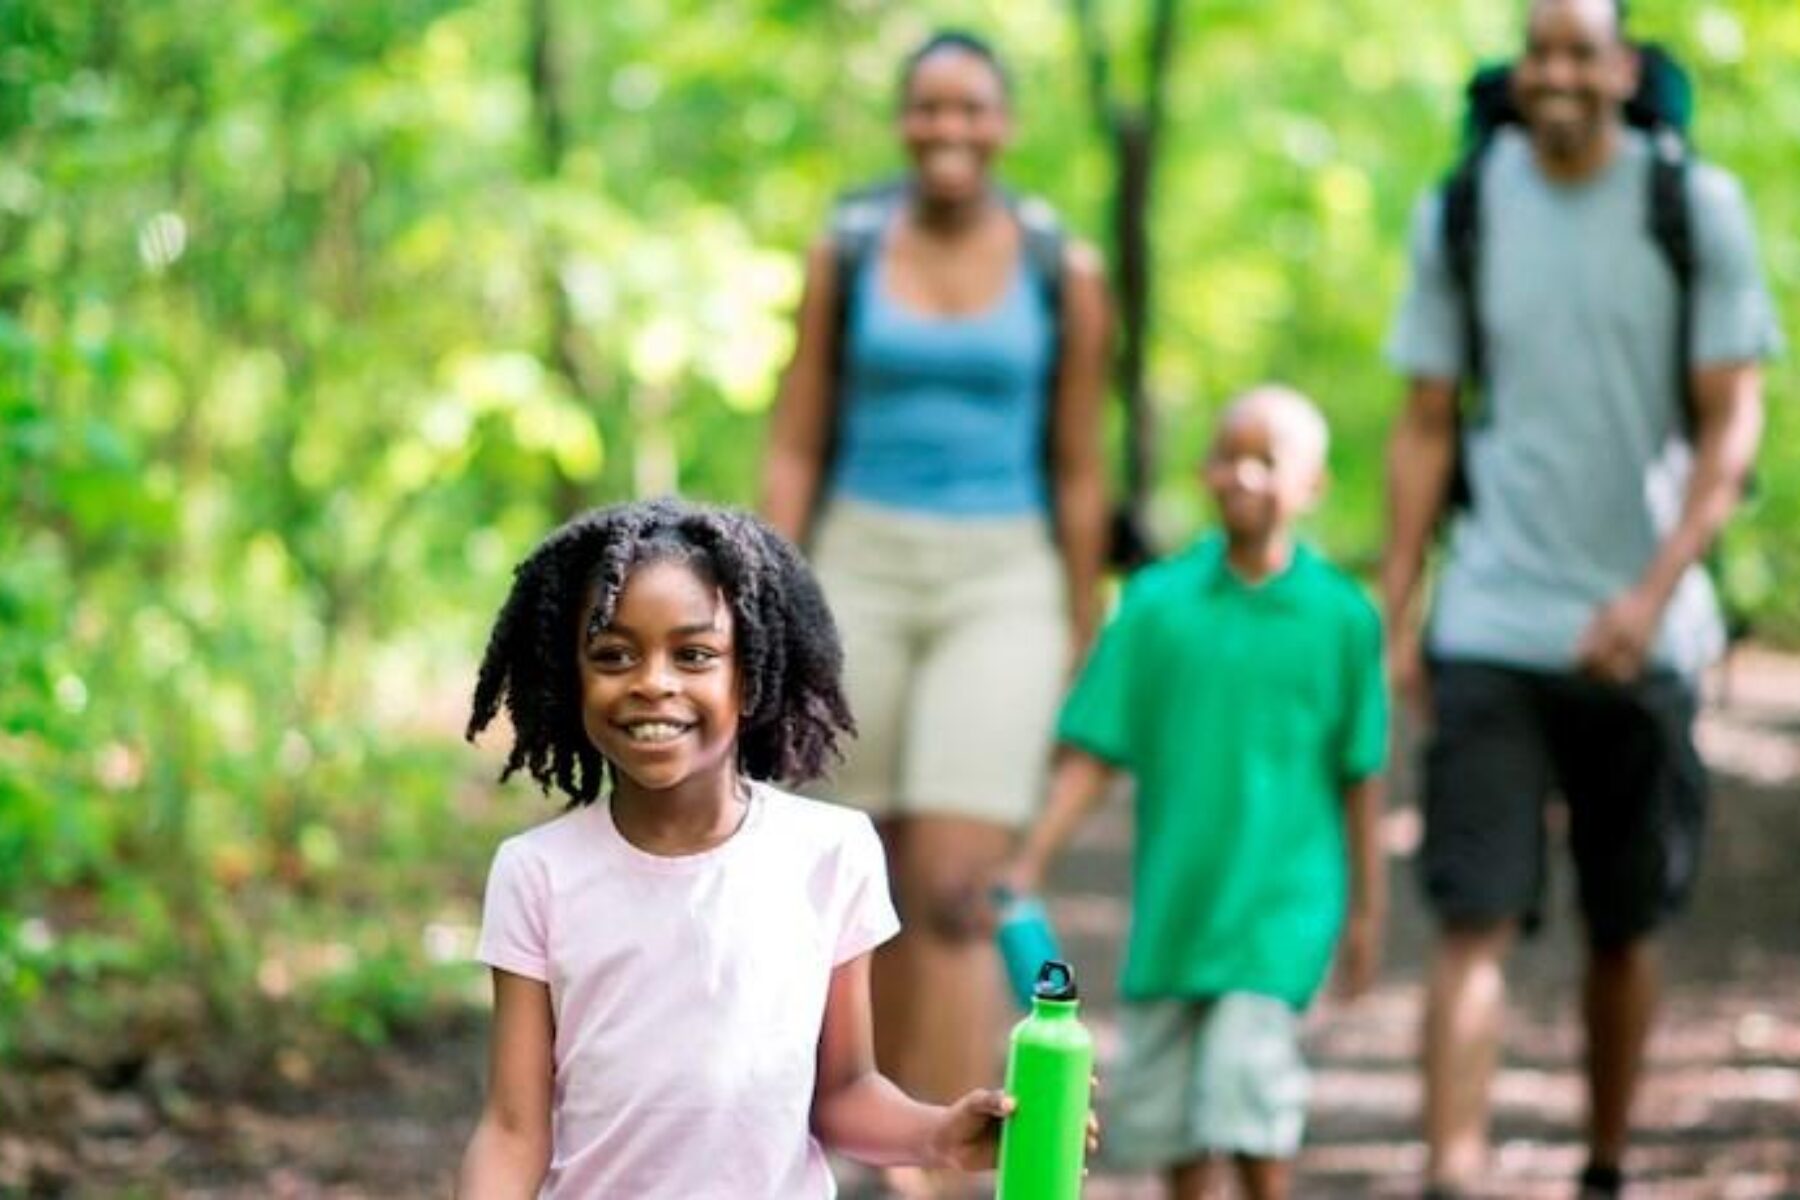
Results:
x,y
562,347
1133,135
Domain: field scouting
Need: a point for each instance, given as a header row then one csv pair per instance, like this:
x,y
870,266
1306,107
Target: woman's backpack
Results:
x,y
858,220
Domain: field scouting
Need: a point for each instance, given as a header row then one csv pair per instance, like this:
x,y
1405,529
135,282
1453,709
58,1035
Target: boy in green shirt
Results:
x,y
1240,684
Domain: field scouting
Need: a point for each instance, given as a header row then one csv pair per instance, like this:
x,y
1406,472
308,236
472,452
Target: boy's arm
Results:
x,y
860,1112
1077,787
1361,955
510,1149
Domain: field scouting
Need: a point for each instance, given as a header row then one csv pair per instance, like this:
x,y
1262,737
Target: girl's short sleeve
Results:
x,y
515,917
867,907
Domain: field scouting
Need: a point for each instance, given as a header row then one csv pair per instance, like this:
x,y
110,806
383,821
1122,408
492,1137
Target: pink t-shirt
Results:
x,y
688,993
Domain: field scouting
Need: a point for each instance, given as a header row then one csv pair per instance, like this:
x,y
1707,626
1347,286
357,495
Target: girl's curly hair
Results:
x,y
789,659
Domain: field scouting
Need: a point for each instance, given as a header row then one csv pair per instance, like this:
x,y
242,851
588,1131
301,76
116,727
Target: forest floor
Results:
x,y
1719,1112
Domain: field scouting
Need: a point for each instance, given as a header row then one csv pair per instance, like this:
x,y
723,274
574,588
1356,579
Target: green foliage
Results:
x,y
313,318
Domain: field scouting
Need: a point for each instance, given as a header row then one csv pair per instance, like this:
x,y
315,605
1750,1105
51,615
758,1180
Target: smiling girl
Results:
x,y
681,960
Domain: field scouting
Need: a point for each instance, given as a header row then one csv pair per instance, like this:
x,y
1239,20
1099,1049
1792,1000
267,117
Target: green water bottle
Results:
x,y
1048,1073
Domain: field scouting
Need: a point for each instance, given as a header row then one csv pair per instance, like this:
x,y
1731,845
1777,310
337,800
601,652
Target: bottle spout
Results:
x,y
1056,981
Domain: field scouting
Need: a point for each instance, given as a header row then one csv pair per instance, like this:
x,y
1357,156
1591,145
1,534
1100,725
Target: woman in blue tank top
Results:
x,y
937,445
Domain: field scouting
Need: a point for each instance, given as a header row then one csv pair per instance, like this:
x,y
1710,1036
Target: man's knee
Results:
x,y
1624,920
1476,941
1620,952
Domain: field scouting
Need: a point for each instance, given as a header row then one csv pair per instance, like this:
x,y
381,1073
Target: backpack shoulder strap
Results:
x,y
1459,215
1043,247
1460,230
857,220
1671,228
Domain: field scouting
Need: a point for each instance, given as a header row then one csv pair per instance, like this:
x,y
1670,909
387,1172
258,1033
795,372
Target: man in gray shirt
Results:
x,y
1570,617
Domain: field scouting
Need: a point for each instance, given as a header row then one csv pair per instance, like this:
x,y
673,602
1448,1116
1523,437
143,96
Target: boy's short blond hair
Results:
x,y
1302,437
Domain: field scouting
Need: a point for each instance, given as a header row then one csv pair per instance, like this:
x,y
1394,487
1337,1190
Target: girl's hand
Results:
x,y
967,1135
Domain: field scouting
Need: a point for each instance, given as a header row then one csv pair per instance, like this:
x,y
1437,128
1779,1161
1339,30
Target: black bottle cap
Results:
x,y
1056,981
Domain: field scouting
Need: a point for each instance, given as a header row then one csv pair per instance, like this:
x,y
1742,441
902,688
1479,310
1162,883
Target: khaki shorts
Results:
x,y
1198,1078
956,642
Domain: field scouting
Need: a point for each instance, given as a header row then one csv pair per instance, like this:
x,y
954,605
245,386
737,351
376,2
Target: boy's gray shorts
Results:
x,y
1198,1078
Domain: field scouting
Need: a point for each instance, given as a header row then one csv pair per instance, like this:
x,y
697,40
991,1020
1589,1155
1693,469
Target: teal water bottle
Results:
x,y
1049,1073
1026,941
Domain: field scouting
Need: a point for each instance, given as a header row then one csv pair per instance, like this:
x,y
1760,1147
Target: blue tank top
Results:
x,y
945,415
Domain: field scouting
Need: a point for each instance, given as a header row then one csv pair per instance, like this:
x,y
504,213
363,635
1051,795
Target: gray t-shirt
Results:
x,y
1576,463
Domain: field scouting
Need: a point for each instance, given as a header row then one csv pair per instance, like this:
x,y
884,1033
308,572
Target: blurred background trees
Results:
x,y
314,317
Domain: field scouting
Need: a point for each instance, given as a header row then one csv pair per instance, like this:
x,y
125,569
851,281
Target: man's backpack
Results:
x,y
1663,107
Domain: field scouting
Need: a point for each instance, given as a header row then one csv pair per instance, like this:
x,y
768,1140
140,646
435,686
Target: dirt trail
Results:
x,y
1720,1113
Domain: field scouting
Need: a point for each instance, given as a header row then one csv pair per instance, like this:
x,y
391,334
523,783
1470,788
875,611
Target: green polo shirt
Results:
x,y
1243,711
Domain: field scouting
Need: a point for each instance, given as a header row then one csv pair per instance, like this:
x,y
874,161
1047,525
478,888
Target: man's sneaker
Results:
x,y
1601,1183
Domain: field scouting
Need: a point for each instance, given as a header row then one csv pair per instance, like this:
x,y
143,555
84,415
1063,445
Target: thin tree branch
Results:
x,y
1158,52
545,73
1094,56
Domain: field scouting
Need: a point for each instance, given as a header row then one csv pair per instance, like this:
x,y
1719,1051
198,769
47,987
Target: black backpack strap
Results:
x,y
1671,228
1044,244
857,222
1487,108
1461,218
1663,107
1460,229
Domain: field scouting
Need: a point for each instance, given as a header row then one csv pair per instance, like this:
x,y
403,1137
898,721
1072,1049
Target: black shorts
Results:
x,y
1623,759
